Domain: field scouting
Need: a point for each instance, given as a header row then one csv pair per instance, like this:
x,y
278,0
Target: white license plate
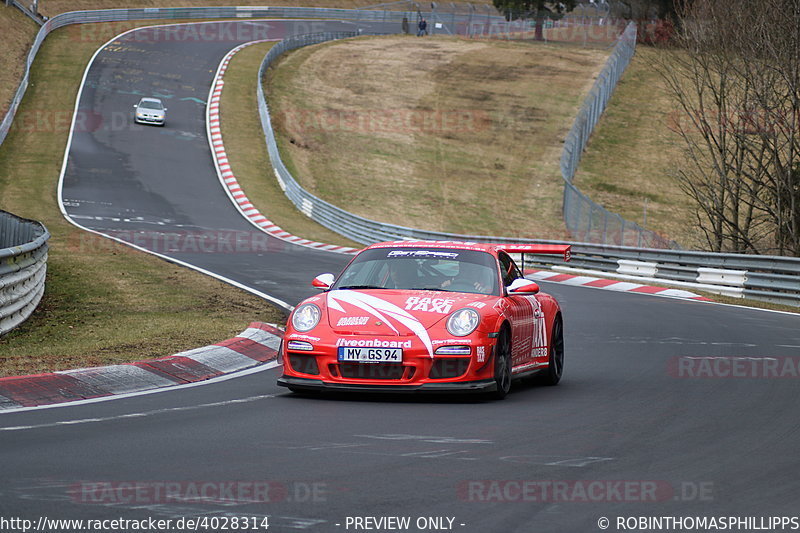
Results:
x,y
350,354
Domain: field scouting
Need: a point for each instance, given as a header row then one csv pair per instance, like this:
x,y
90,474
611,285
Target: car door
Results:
x,y
525,314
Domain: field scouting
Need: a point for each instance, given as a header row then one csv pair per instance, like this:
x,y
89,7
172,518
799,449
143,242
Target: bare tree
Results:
x,y
775,66
734,73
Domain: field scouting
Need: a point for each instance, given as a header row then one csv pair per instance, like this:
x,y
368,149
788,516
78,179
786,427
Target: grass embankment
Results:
x,y
442,134
18,32
105,303
629,162
354,131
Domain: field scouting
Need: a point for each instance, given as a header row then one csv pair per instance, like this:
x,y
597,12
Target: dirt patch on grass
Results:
x,y
441,134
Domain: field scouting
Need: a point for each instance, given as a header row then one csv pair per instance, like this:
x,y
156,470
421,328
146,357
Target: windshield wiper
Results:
x,y
360,287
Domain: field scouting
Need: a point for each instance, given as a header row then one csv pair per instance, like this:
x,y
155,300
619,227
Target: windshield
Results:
x,y
150,104
422,269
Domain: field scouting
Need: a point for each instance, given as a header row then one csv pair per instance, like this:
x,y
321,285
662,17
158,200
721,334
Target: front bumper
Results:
x,y
300,384
159,121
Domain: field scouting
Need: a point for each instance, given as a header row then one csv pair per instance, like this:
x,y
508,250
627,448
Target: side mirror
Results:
x,y
165,109
135,106
523,286
323,281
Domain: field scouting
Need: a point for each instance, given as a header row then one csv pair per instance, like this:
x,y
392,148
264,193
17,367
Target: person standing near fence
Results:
x,y
423,28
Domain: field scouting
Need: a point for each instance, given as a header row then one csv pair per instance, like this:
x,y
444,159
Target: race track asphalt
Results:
x,y
637,427
622,435
157,187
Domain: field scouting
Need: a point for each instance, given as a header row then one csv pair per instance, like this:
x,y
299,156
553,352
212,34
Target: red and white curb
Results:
x,y
610,284
256,345
227,177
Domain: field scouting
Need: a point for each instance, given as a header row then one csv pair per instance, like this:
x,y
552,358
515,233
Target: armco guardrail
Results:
x,y
23,265
767,278
771,278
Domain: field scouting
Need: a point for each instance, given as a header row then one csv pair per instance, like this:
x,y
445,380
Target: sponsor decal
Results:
x,y
540,348
423,243
422,253
452,341
481,354
477,305
528,366
386,312
296,336
353,321
429,305
373,343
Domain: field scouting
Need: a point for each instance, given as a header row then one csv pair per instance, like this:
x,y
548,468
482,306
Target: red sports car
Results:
x,y
426,316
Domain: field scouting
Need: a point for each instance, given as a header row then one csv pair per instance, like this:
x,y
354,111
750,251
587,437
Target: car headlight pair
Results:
x,y
460,324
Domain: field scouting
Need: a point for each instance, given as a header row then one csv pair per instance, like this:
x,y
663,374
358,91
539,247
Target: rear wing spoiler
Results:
x,y
555,249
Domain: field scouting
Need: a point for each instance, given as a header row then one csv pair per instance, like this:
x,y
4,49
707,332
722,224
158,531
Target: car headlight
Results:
x,y
463,322
306,317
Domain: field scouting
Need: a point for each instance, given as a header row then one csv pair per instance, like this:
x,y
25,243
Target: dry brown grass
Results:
x,y
441,134
18,32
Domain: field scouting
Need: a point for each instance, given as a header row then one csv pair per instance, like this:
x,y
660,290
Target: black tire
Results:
x,y
555,369
502,366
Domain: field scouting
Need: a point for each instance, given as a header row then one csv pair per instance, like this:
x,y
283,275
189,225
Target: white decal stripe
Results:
x,y
374,306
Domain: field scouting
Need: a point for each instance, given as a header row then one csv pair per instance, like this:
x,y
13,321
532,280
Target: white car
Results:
x,y
150,111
